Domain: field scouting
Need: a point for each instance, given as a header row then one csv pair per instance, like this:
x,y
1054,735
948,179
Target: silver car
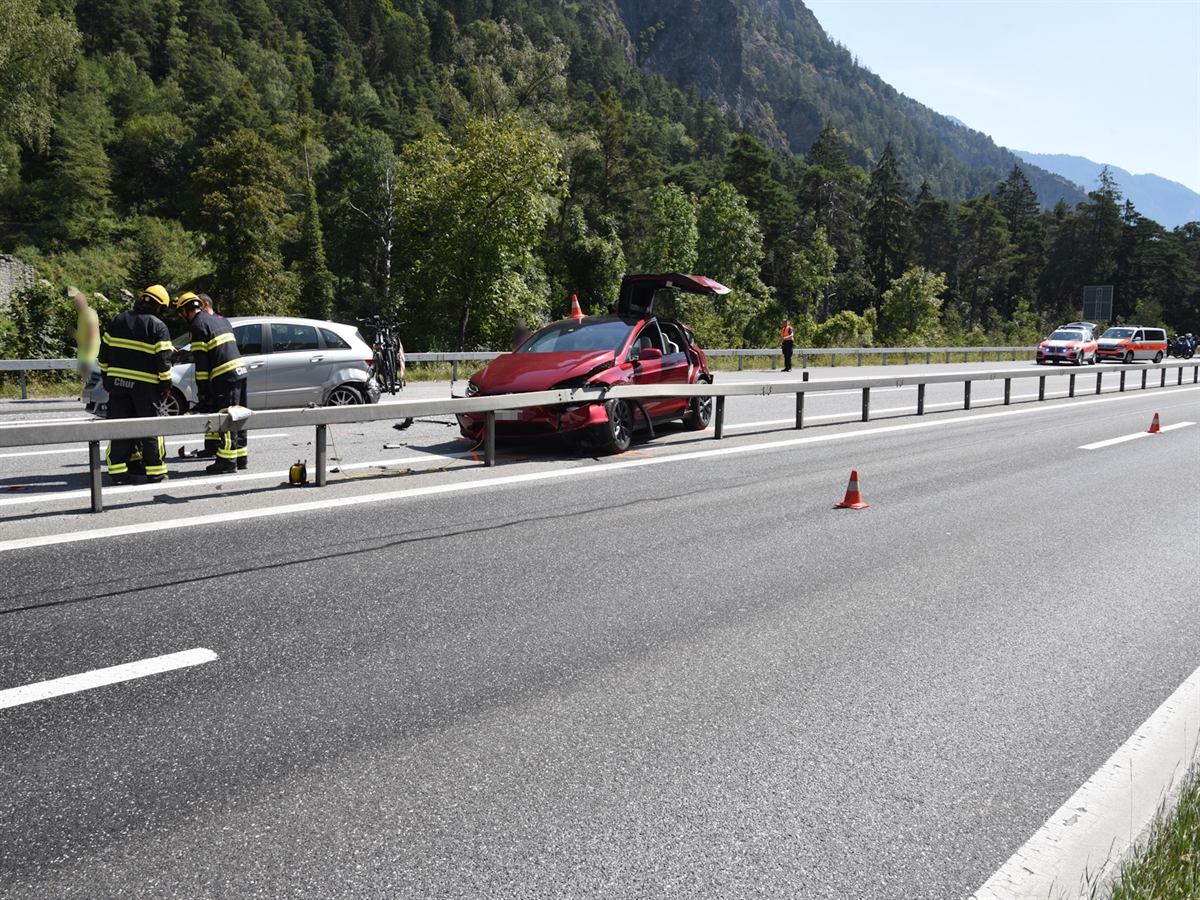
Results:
x,y
289,361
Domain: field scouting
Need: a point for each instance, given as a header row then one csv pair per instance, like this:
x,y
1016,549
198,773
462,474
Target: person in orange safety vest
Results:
x,y
786,337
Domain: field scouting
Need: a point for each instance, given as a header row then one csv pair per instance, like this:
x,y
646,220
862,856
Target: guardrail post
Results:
x,y
1041,387
804,363
1122,387
1007,391
24,396
885,357
1162,381
454,370
947,356
1180,375
489,439
319,442
860,357
928,358
866,414
739,359
966,395
1144,372
906,357
800,404
832,358
1099,376
1071,391
719,424
921,399
94,475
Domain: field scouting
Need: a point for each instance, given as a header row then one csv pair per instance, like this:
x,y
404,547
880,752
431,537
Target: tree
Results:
x,y
911,307
81,167
241,185
35,52
470,215
984,255
730,249
932,230
813,270
886,234
316,282
671,243
369,187
1018,204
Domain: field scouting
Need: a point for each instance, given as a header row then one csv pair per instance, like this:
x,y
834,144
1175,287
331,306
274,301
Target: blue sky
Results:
x,y
1117,82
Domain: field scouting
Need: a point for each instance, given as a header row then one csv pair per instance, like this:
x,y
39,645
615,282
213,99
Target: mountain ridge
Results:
x,y
1167,202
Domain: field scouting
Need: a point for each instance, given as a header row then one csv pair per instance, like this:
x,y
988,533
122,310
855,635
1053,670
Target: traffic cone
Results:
x,y
576,312
1154,429
853,499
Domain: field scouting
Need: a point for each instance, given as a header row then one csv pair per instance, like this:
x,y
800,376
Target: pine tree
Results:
x,y
886,229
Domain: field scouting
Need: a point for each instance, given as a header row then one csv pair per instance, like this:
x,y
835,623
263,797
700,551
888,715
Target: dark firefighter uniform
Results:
x,y
135,363
220,377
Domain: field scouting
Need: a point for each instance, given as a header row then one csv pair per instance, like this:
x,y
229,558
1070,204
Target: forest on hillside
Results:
x,y
461,164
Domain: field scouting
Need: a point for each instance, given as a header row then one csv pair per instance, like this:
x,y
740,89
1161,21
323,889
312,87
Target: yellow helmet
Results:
x,y
157,294
187,298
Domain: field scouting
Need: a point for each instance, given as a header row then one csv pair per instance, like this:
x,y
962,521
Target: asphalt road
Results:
x,y
676,673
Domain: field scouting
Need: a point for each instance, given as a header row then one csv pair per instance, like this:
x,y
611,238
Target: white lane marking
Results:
x,y
1133,437
239,477
504,480
82,448
1085,840
72,684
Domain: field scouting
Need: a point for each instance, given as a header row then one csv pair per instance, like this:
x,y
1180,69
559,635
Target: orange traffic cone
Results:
x,y
853,499
576,312
1154,429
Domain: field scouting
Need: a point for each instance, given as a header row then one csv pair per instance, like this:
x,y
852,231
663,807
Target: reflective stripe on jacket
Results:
x,y
215,350
136,347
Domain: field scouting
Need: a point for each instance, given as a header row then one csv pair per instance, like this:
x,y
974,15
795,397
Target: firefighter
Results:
x,y
135,363
220,377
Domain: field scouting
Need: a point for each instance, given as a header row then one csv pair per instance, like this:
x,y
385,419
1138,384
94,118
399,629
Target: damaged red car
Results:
x,y
633,346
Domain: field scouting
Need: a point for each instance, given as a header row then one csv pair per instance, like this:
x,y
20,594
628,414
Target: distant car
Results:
x,y
290,362
633,346
1071,345
1126,343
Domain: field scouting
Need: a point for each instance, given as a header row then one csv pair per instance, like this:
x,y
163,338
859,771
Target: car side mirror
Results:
x,y
650,353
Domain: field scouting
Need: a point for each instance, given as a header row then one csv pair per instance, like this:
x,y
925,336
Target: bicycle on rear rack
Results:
x,y
389,357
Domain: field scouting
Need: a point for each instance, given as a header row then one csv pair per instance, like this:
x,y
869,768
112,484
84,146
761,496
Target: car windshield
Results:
x,y
1119,333
594,333
1067,336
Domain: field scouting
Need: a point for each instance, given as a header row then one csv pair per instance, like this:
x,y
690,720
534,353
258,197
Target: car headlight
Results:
x,y
472,389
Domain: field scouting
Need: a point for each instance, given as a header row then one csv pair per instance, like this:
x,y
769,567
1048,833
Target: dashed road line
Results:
x,y
86,681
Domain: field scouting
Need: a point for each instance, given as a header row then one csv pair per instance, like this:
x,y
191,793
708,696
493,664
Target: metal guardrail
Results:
x,y
321,418
33,365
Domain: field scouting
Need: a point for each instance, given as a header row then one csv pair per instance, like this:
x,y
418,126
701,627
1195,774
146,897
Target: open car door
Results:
x,y
638,292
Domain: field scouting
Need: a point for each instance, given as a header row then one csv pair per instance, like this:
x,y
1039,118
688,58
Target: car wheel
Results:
x,y
701,413
1079,360
174,405
1128,357
616,434
344,395
1158,357
1092,361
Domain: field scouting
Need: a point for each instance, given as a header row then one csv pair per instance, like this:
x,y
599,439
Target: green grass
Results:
x,y
1168,868
40,385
